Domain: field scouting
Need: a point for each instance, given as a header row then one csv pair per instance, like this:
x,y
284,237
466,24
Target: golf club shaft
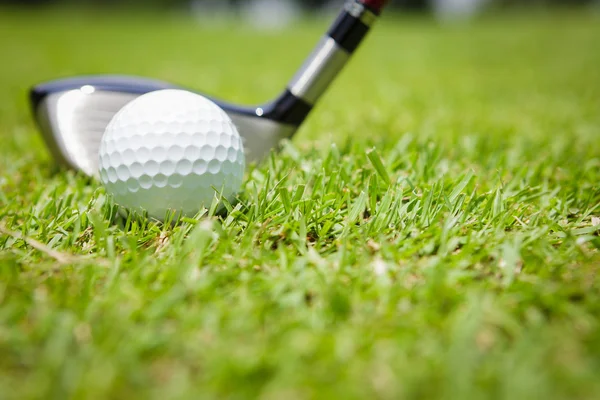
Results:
x,y
334,50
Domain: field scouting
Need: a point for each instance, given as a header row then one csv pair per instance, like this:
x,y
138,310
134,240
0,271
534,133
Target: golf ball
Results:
x,y
166,150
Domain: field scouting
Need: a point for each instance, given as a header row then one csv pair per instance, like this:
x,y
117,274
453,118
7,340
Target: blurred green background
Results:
x,y
414,4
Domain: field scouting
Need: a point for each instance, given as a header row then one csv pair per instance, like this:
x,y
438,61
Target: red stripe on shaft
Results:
x,y
375,5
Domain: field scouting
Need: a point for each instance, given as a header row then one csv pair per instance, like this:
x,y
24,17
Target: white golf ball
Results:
x,y
166,150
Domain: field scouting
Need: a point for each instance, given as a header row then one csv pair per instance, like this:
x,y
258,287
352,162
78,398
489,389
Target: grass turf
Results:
x,y
431,232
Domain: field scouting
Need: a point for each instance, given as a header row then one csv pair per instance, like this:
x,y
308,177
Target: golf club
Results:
x,y
73,113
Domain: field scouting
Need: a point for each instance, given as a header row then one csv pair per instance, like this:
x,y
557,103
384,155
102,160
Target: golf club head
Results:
x,y
73,113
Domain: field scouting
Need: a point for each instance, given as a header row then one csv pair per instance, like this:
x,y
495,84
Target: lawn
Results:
x,y
431,232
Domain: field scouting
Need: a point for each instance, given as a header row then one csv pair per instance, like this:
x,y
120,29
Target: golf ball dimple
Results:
x,y
165,151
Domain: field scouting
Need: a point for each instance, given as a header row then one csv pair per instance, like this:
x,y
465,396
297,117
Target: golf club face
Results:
x,y
73,113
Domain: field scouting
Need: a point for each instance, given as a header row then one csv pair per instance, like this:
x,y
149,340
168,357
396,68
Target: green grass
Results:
x,y
432,231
